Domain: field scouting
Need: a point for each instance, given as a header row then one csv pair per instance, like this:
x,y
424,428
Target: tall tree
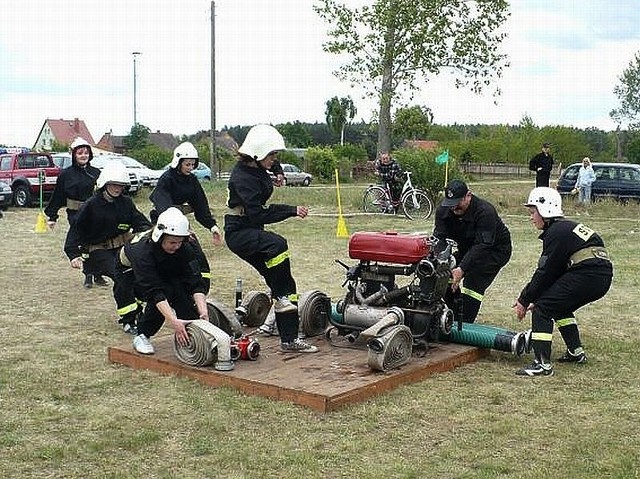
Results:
x,y
394,44
338,113
628,92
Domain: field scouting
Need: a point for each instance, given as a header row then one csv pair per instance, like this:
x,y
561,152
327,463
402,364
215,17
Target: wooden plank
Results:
x,y
325,381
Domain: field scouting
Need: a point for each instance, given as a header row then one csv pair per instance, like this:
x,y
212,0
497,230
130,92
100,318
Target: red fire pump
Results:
x,y
395,296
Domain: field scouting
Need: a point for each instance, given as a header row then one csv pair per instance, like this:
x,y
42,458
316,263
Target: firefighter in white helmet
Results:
x,y
178,187
165,273
574,269
105,222
250,187
74,186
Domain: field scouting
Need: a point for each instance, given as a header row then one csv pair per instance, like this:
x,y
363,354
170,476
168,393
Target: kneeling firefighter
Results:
x,y
178,187
164,269
250,187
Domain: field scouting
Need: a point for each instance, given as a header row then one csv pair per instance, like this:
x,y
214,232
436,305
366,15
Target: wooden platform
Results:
x,y
325,381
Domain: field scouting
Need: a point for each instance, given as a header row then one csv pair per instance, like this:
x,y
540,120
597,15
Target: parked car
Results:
x,y
6,195
202,172
135,174
613,180
25,172
62,160
294,176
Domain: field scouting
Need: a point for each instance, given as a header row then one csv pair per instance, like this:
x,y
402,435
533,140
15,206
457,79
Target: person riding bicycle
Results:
x,y
391,173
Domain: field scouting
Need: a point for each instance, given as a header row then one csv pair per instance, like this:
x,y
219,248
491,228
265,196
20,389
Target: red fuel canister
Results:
x,y
388,247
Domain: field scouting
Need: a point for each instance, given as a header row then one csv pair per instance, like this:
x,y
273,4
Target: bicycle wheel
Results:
x,y
417,205
374,200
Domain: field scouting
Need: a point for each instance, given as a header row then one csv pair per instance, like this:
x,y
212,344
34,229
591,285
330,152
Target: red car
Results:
x,y
25,172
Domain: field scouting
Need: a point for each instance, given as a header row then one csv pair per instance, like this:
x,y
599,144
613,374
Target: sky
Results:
x,y
73,59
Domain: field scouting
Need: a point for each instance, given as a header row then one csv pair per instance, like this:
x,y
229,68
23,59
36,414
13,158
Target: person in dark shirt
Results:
x,y
165,273
574,270
250,187
105,222
390,173
179,187
483,246
74,186
542,164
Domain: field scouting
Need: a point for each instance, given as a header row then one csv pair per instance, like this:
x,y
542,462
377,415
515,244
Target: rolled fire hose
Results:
x,y
391,349
314,308
257,305
208,344
491,337
224,318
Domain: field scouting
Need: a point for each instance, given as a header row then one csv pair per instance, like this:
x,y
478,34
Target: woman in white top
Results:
x,y
586,177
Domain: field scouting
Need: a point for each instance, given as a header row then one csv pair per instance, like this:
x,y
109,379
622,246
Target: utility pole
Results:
x,y
135,93
213,149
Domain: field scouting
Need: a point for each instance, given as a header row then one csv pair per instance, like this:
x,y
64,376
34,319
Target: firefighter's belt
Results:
x,y
236,211
185,209
74,204
579,256
111,243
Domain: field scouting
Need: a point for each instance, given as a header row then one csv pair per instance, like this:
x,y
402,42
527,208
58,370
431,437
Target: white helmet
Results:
x,y
170,222
182,151
547,200
77,143
114,173
260,141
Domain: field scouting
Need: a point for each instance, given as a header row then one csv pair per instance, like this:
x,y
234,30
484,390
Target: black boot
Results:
x,y
99,280
88,281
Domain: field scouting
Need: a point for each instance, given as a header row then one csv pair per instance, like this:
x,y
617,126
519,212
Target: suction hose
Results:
x,y
490,337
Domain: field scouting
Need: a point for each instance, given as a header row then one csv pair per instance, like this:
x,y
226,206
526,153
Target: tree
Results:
x,y
338,113
628,92
413,122
295,134
393,44
137,138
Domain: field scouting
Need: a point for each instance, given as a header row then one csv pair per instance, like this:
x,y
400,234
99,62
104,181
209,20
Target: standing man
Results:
x,y
484,245
542,164
573,270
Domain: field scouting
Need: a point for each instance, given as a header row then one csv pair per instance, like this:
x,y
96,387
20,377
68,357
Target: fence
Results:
x,y
501,169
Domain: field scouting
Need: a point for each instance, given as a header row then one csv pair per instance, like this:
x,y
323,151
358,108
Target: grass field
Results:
x,y
68,413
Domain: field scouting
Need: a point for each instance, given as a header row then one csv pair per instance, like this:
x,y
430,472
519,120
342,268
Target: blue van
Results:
x,y
620,181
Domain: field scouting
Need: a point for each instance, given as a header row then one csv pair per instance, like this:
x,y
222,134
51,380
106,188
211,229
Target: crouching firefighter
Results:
x,y
178,187
574,270
164,270
250,186
106,222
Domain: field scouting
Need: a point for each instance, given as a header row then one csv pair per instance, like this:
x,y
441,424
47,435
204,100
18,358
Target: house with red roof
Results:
x,y
61,131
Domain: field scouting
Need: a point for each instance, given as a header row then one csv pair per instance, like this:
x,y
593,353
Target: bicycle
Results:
x,y
415,202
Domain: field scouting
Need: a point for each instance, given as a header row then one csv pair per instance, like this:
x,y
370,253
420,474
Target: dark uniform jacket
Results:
x,y
560,240
175,189
479,233
544,161
100,220
75,183
155,270
249,190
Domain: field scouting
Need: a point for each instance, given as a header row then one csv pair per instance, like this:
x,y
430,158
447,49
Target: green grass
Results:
x,y
68,413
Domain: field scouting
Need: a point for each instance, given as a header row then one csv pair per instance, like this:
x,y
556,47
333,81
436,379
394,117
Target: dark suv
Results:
x,y
614,180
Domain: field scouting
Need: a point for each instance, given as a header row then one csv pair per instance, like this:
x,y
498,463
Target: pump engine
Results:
x,y
395,295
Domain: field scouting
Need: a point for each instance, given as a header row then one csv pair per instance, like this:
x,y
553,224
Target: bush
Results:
x,y
152,156
427,174
322,162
